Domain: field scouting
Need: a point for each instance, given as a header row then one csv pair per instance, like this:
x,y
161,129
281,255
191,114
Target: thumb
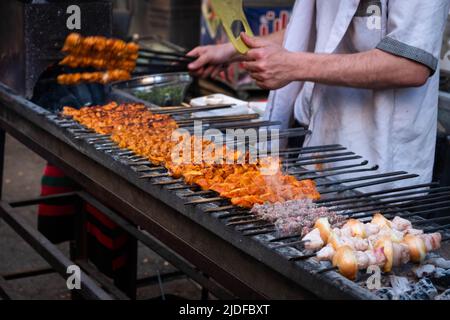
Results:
x,y
253,42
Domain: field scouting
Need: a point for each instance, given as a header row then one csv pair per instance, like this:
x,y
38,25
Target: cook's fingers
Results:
x,y
256,76
261,85
194,52
253,42
198,72
254,54
200,62
216,71
252,66
208,71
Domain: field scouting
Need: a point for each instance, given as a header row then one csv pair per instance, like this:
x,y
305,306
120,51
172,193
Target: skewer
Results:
x,y
368,184
428,211
438,219
409,214
381,204
148,52
218,209
256,124
326,270
444,227
154,175
230,214
321,156
284,238
199,193
370,177
108,149
269,225
259,232
395,195
238,223
135,158
242,215
294,243
109,144
307,163
311,148
208,200
302,257
167,182
124,153
374,168
212,119
146,61
297,151
235,215
142,163
183,110
182,187
374,193
306,171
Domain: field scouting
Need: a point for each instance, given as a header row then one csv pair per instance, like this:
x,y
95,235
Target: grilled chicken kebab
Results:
x,y
134,127
115,57
357,245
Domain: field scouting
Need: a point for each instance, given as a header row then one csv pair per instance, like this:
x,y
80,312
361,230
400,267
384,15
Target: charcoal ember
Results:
x,y
424,290
439,262
424,270
441,277
385,294
444,295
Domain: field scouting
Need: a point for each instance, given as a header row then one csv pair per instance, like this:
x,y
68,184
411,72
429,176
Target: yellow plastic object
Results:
x,y
230,11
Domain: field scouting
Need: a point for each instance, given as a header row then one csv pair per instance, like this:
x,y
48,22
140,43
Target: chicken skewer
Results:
x,y
135,128
381,242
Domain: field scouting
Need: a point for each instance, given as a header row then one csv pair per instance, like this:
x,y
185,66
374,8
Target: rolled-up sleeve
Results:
x,y
415,29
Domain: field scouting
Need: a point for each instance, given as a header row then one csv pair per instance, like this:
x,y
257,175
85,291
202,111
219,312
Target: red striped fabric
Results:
x,y
119,262
46,210
53,172
100,216
112,244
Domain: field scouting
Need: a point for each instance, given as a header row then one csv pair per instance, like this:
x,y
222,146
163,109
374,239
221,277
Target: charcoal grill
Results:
x,y
202,228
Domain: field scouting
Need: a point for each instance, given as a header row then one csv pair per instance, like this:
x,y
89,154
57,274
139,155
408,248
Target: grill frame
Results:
x,y
201,238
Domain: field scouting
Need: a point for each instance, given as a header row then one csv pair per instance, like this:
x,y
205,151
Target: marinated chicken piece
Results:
x,y
416,246
357,244
414,232
354,228
371,229
313,240
324,227
326,253
432,241
385,245
384,231
400,254
134,127
346,262
381,221
401,224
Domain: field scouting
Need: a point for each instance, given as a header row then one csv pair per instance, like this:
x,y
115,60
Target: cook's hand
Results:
x,y
211,59
268,63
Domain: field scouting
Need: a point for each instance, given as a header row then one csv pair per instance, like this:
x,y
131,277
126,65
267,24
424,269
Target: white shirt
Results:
x,y
395,128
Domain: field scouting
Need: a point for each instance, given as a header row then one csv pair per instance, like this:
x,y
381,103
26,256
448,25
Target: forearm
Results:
x,y
373,69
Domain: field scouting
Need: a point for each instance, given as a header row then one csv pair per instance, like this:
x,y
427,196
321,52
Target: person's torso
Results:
x,y
395,129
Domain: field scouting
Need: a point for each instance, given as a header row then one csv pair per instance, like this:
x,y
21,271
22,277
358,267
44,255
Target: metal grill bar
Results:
x,y
368,184
365,195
